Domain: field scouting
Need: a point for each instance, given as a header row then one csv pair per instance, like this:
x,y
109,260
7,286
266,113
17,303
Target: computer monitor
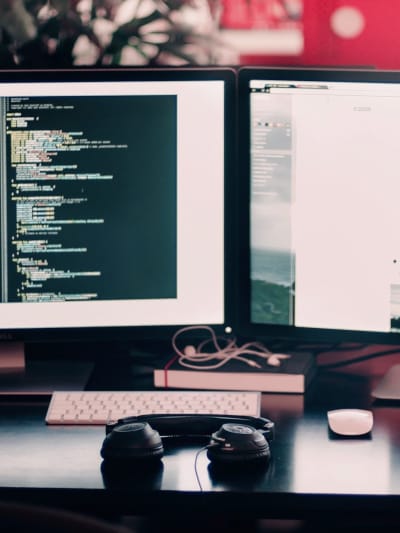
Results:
x,y
115,187
320,204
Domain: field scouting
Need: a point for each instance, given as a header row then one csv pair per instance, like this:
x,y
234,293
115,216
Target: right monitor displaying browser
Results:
x,y
320,227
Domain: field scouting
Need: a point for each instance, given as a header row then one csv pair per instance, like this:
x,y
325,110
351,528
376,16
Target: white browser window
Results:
x,y
328,199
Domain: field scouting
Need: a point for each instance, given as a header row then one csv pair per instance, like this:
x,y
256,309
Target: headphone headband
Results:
x,y
194,425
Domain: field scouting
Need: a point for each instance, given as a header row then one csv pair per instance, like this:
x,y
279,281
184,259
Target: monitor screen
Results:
x,y
113,191
320,159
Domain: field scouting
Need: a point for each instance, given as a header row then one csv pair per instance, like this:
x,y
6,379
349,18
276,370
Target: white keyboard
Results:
x,y
99,407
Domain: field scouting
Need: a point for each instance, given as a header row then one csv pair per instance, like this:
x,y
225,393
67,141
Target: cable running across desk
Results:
x,y
99,407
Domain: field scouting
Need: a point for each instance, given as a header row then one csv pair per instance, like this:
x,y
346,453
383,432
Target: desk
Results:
x,y
310,473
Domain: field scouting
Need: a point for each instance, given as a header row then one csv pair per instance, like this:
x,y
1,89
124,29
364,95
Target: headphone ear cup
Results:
x,y
136,441
238,443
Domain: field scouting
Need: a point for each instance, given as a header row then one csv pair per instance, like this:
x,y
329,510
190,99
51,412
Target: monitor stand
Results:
x,y
26,376
388,388
12,359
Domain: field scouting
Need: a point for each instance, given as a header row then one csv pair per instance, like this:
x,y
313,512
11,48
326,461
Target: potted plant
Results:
x,y
67,33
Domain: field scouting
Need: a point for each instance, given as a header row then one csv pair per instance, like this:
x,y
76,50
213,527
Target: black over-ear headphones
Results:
x,y
232,439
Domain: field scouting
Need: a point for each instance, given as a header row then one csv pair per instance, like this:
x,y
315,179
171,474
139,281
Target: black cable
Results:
x,y
314,347
340,347
360,359
204,448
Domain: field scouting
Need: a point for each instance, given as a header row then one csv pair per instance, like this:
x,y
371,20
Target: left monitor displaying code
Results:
x,y
91,192
112,199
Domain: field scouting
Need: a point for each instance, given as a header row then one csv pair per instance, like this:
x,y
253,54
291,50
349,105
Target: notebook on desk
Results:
x,y
293,376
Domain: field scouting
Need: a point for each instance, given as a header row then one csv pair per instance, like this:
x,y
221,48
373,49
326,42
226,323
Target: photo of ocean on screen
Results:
x,y
272,286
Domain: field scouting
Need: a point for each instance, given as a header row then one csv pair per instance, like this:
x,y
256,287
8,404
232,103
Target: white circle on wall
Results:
x,y
347,22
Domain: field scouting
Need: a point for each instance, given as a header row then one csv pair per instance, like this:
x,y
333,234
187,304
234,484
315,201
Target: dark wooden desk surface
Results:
x,y
310,471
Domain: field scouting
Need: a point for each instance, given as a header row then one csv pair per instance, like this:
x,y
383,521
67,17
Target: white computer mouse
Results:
x,y
350,422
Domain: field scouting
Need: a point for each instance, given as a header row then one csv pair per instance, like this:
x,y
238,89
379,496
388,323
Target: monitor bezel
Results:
x,y
245,325
116,74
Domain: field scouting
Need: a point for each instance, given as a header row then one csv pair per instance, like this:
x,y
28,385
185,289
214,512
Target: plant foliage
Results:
x,y
65,33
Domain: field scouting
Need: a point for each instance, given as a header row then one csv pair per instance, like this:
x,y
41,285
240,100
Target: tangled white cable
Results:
x,y
196,358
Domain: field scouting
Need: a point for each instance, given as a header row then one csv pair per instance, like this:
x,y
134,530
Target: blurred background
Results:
x,y
67,33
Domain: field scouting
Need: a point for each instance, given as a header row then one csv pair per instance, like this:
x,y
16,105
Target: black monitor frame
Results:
x,y
265,331
87,74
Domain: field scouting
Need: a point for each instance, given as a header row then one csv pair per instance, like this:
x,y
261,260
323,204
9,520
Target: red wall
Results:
x,y
377,45
367,32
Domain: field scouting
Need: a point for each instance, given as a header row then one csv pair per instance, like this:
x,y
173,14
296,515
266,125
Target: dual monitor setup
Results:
x,y
254,200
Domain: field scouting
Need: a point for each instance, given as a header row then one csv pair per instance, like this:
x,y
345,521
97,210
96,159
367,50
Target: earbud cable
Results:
x,y
196,358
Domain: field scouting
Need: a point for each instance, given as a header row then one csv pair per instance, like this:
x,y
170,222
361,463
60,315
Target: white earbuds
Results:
x,y
276,358
189,350
194,357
